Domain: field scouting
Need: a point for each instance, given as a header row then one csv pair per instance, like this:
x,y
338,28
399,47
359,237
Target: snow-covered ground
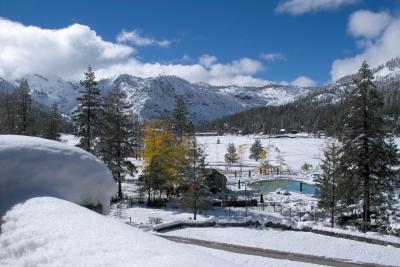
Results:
x,y
296,151
297,242
32,166
53,232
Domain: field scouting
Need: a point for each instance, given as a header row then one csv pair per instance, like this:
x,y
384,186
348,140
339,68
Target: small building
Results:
x,y
215,181
207,134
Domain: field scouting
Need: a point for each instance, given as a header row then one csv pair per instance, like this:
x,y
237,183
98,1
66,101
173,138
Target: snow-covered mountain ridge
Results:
x,y
155,97
386,78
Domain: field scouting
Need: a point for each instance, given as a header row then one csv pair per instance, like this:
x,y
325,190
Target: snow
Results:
x,y
32,166
296,151
351,231
47,231
152,97
297,242
385,72
246,260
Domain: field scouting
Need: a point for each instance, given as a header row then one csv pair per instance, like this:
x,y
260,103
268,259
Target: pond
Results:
x,y
289,185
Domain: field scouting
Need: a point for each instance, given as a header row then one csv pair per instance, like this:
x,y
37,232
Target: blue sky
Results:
x,y
281,41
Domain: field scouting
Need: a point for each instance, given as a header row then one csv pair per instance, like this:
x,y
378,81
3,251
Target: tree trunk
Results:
x,y
119,186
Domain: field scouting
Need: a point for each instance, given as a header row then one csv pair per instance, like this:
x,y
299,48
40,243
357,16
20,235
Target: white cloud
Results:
x,y
272,56
238,72
299,7
365,23
67,52
375,51
134,38
207,60
29,49
303,81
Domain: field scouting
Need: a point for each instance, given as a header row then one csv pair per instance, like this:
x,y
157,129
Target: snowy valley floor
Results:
x,y
137,222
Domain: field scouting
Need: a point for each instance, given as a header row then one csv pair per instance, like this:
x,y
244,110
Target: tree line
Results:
x,y
174,164
19,114
322,110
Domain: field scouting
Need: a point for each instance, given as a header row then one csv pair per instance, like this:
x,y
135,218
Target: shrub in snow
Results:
x,y
31,166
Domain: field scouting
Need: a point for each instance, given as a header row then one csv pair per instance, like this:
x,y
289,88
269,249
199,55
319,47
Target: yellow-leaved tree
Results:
x,y
164,159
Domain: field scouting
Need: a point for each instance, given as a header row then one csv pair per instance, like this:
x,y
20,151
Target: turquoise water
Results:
x,y
289,185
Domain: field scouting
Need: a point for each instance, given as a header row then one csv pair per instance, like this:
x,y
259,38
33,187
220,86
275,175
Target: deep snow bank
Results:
x,y
47,231
31,166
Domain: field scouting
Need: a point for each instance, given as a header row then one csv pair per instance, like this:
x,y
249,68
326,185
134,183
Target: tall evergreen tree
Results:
x,y
195,190
86,116
180,122
24,107
9,112
116,137
327,182
255,150
369,177
53,124
231,155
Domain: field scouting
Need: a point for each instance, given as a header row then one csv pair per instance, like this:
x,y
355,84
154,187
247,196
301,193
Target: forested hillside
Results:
x,y
321,110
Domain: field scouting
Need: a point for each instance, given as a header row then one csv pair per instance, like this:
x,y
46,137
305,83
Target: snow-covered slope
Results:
x,y
386,75
47,90
155,97
53,232
31,166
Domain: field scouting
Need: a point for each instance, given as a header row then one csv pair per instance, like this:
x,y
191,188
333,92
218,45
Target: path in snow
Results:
x,y
275,254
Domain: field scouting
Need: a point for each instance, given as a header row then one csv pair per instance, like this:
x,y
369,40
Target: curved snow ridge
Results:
x,y
32,166
48,231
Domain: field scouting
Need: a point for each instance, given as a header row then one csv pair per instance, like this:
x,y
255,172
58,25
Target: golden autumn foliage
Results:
x,y
160,143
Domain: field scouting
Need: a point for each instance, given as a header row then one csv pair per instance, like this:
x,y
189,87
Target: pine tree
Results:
x,y
180,122
369,177
10,112
23,110
116,137
255,150
327,182
86,116
53,124
231,155
195,190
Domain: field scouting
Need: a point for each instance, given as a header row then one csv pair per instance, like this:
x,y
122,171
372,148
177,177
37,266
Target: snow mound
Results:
x,y
47,231
31,167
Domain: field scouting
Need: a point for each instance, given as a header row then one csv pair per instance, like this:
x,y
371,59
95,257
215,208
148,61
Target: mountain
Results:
x,y
319,110
387,78
155,97
47,90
